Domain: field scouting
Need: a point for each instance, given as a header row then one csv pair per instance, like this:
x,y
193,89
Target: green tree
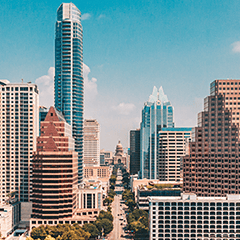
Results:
x,y
70,235
92,229
131,204
107,201
29,238
111,193
48,237
127,194
104,224
39,233
113,179
106,215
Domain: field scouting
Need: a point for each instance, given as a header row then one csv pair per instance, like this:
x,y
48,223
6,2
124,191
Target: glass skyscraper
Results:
x,y
69,73
156,114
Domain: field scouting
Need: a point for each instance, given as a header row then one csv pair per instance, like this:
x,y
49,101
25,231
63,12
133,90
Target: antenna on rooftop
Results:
x,y
22,80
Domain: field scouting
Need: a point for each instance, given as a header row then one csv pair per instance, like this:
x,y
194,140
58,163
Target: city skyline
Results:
x,y
127,50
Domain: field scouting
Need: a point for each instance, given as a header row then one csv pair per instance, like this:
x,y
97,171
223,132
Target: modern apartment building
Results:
x,y
91,140
134,151
156,114
173,145
19,121
212,167
54,170
69,84
191,217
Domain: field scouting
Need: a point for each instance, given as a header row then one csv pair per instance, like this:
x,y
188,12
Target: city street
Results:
x,y
118,212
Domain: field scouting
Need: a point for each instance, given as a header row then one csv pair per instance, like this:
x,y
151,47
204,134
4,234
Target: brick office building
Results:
x,y
212,168
55,171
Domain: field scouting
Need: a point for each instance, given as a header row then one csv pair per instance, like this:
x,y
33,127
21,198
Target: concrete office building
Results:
x,y
156,114
212,167
54,170
173,144
69,83
91,140
191,217
134,151
19,121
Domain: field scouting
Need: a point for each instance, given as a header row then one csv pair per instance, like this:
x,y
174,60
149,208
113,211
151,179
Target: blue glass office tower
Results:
x,y
69,83
156,114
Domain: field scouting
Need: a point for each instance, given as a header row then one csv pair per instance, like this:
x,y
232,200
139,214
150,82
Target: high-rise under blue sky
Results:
x,y
68,84
128,47
157,113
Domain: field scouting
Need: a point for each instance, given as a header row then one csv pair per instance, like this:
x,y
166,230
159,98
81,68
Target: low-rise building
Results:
x,y
90,196
97,172
136,183
192,217
9,218
154,190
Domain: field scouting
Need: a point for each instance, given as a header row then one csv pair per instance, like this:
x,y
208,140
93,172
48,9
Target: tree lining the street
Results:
x,y
137,219
138,223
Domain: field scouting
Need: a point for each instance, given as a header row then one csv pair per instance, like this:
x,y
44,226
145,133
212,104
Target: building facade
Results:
x,y
19,120
173,145
69,84
91,140
192,217
107,156
156,114
54,170
97,172
134,151
163,189
212,167
9,218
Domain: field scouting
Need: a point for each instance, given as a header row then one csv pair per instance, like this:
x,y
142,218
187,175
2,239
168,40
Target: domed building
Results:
x,y
120,157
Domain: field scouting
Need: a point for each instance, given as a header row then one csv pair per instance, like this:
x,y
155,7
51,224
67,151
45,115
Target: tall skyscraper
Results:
x,y
91,139
173,144
212,168
19,121
157,113
54,170
69,83
134,151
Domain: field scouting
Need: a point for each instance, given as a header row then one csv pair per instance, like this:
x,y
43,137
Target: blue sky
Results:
x,y
129,47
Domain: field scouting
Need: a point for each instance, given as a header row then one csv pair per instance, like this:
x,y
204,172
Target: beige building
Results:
x,y
9,218
173,144
97,172
19,121
91,140
90,197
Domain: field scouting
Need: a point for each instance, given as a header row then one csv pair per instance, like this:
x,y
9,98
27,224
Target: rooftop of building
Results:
x,y
160,186
177,129
193,197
